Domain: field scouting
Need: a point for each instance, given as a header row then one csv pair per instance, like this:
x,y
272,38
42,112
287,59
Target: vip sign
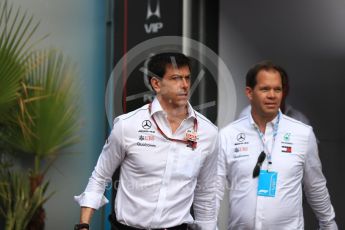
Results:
x,y
153,27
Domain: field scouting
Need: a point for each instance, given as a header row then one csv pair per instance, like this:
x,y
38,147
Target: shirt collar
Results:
x,y
272,122
157,108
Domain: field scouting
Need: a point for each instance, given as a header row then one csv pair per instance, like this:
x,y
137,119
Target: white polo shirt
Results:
x,y
295,159
159,179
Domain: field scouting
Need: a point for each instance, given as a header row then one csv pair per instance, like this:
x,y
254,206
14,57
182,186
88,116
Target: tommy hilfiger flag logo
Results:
x,y
286,149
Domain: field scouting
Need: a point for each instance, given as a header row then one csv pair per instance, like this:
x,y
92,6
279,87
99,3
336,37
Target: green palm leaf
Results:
x,y
16,30
48,115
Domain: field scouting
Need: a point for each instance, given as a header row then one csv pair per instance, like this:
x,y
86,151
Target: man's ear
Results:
x,y
155,83
249,93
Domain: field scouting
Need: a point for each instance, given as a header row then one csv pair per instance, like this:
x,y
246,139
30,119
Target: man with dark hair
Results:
x,y
251,79
287,109
168,156
158,62
266,157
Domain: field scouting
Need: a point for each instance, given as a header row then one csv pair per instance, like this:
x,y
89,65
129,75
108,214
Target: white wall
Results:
x,y
77,27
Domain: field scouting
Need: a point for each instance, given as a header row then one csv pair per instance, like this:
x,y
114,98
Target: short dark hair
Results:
x,y
158,63
266,65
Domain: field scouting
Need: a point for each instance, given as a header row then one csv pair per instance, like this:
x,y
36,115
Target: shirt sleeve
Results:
x,y
221,171
205,192
110,158
315,187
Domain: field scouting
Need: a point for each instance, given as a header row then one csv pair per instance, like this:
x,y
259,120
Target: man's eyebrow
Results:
x,y
148,72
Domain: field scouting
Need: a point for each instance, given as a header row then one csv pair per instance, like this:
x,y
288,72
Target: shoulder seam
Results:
x,y
240,119
296,121
199,115
134,113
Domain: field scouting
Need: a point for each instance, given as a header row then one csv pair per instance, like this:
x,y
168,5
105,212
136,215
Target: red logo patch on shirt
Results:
x,y
286,149
146,138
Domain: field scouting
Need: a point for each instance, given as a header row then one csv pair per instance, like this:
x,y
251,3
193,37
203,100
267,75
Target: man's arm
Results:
x,y
205,192
111,157
221,172
315,187
86,214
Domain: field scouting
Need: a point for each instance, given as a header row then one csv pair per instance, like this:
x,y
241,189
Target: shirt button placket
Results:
x,y
165,182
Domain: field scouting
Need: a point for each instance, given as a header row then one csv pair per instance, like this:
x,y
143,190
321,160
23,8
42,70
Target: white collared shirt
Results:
x,y
159,179
295,159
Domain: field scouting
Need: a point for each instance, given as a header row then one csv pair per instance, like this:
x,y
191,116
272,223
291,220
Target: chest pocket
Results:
x,y
187,163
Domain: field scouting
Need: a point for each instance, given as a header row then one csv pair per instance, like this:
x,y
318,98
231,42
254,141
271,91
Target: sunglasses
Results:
x,y
257,167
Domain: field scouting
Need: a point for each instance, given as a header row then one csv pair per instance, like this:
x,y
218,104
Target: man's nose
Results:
x,y
185,83
271,93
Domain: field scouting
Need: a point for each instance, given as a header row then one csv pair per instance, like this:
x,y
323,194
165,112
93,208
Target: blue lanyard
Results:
x,y
262,138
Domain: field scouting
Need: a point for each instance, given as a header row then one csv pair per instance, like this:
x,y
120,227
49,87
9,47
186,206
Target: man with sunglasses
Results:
x,y
168,157
267,157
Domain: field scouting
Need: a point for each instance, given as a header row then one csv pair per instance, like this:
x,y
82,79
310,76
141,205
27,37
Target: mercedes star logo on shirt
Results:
x,y
146,124
241,137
